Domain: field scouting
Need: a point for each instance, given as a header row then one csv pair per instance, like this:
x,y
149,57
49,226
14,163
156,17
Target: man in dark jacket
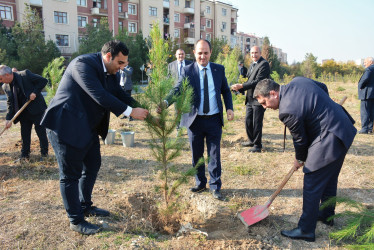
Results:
x,y
75,118
20,87
322,133
366,95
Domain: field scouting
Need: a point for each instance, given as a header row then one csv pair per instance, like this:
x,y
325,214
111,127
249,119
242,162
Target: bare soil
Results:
x,y
32,215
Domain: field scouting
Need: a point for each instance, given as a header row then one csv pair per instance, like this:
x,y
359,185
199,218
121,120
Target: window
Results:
x,y
188,4
132,27
82,21
120,25
152,11
209,23
176,33
224,12
62,40
97,3
119,7
177,17
61,17
208,36
224,38
132,9
207,9
6,12
82,2
223,25
94,22
176,2
150,26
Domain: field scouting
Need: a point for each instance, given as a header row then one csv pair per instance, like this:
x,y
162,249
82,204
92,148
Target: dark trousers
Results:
x,y
209,129
319,186
254,117
27,120
78,169
367,114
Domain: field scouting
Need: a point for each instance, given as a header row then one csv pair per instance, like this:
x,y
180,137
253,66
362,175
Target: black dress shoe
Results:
x,y
85,228
217,194
198,189
297,234
254,150
363,131
247,144
325,221
95,211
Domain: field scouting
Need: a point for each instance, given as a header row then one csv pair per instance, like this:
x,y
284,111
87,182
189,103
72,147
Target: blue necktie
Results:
x,y
180,68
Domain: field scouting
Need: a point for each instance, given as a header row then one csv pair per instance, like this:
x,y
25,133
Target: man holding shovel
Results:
x,y
322,133
20,87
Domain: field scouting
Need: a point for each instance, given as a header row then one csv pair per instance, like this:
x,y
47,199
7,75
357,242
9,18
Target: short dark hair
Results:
x,y
210,46
264,87
115,47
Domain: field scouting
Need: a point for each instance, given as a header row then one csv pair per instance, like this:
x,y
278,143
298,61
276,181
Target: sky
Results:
x,y
329,29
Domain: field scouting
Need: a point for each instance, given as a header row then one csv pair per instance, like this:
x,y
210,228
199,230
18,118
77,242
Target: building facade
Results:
x,y
186,21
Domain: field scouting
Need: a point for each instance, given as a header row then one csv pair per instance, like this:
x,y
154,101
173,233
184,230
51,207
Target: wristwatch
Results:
x,y
301,162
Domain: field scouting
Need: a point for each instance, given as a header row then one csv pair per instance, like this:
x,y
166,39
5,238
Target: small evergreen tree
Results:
x,y
53,73
229,58
165,148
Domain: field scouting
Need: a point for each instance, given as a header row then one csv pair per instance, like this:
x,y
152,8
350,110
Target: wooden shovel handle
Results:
x,y
17,114
343,100
285,180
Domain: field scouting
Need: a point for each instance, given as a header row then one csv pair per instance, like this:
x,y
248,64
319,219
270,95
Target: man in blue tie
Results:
x,y
175,67
205,120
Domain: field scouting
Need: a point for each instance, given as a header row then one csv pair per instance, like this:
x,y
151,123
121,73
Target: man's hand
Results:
x,y
8,124
230,114
32,96
236,87
160,107
139,113
297,164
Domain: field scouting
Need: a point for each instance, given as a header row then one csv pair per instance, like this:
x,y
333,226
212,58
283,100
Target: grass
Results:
x,y
32,215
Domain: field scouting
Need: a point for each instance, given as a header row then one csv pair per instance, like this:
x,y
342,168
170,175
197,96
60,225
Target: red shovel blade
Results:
x,y
253,215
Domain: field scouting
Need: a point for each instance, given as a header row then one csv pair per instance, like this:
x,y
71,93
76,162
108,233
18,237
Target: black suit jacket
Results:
x,y
366,84
86,94
260,71
27,83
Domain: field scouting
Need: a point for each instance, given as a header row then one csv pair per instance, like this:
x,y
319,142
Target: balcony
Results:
x,y
99,12
189,40
234,20
166,20
166,4
202,27
123,15
189,10
202,13
189,25
36,2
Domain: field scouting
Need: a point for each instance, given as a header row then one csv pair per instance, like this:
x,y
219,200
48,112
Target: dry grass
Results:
x,y
32,214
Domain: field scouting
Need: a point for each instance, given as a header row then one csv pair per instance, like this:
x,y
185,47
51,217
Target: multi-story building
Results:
x,y
187,21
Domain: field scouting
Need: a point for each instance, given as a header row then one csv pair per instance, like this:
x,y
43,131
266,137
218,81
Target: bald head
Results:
x,y
255,53
368,61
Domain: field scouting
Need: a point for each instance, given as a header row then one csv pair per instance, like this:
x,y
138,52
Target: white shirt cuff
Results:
x,y
127,111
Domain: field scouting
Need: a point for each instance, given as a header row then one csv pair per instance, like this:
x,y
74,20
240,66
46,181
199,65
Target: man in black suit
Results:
x,y
254,115
205,120
89,90
20,87
366,95
243,70
175,67
322,133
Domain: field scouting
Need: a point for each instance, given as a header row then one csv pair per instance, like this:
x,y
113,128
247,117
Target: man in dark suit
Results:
x,y
175,67
322,133
366,95
126,82
254,115
243,71
76,116
205,120
20,87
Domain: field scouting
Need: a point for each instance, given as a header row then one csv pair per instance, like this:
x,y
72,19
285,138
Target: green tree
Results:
x,y
165,148
8,46
33,52
309,67
217,47
94,38
229,59
53,72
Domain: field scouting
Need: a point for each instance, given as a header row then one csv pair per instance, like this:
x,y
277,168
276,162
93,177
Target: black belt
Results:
x,y
207,116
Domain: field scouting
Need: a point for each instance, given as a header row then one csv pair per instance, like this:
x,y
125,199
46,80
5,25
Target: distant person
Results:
x,y
148,71
77,115
322,133
205,120
243,70
254,116
20,87
14,69
175,67
366,95
126,82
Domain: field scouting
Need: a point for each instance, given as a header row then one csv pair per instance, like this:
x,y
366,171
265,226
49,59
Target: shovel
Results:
x,y
260,212
17,114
